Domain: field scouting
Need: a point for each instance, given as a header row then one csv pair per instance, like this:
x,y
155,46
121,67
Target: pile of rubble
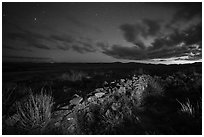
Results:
x,y
134,90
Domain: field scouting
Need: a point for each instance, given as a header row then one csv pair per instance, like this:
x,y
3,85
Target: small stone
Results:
x,y
115,106
80,106
92,99
57,124
107,113
100,94
122,80
71,128
122,90
69,118
99,89
76,100
65,107
105,83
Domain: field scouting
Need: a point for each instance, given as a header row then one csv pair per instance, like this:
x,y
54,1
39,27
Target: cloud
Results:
x,y
31,39
176,44
63,46
168,52
78,44
152,27
40,41
136,33
64,38
82,24
102,45
86,44
25,33
15,48
62,42
192,35
36,40
40,46
190,57
85,47
58,41
121,52
188,12
170,40
25,59
132,53
165,37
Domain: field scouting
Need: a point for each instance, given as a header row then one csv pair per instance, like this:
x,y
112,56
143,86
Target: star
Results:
x,y
35,20
96,14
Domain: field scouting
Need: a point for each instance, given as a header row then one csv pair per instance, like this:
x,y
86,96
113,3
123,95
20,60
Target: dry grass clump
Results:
x,y
192,110
73,76
34,112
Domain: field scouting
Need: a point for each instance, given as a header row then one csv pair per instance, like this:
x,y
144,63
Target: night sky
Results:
x,y
102,32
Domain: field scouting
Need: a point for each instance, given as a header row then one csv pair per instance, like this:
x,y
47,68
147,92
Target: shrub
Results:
x,y
145,88
34,112
192,110
73,76
155,86
187,107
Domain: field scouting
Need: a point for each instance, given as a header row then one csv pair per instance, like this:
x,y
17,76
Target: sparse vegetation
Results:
x,y
73,76
189,109
130,104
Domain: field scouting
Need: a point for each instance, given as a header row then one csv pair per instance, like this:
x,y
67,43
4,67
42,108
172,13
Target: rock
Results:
x,y
115,106
122,90
100,94
92,99
88,77
76,100
65,107
71,129
122,80
80,106
105,83
57,124
70,118
108,113
99,89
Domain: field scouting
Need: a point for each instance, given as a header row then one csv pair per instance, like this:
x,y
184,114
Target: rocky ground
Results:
x,y
138,105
